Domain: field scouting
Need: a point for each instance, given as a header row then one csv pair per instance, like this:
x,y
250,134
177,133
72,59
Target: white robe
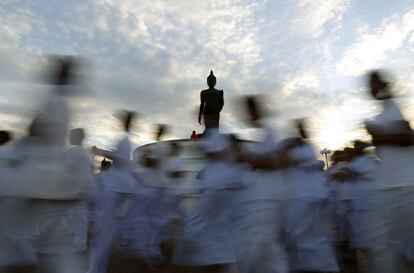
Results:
x,y
41,173
50,213
307,230
258,227
78,167
113,204
120,176
393,223
340,202
362,210
207,238
137,227
13,250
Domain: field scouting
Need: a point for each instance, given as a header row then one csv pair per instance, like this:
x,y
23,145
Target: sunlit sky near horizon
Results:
x,y
308,57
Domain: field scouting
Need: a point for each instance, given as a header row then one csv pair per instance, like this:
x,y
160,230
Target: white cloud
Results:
x,y
153,56
307,80
311,16
374,47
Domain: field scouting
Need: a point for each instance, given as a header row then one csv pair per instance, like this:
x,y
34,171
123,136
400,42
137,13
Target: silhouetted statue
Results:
x,y
212,102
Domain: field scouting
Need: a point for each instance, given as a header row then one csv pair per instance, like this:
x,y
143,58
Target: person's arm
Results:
x,y
402,137
221,101
201,107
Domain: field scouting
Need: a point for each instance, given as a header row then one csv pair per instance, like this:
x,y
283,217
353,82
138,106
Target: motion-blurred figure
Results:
x,y
15,253
7,160
258,228
361,170
207,239
392,236
307,224
78,161
114,201
51,211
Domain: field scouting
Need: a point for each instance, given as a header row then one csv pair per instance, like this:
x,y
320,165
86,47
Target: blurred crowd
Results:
x,y
259,207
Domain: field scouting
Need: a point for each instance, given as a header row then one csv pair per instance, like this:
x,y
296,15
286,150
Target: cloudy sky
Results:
x,y
308,58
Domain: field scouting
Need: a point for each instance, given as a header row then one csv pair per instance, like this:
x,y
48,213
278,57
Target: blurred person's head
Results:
x,y
161,131
337,156
5,136
348,153
379,87
211,80
360,147
63,70
301,127
127,119
254,110
76,136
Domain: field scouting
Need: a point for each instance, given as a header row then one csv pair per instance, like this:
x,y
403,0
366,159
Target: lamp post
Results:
x,y
325,152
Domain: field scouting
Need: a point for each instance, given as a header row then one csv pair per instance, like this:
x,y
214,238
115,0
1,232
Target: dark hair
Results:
x,y
360,146
162,129
5,137
126,118
252,104
379,76
63,70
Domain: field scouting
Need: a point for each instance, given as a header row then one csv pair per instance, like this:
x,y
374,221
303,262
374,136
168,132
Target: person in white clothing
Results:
x,y
207,238
78,161
361,170
114,201
15,253
50,209
307,231
394,196
259,228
